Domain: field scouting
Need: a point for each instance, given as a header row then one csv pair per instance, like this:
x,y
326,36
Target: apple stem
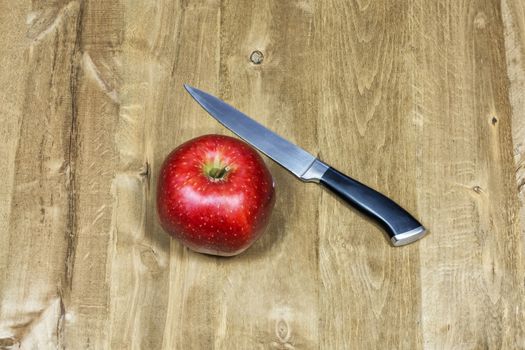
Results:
x,y
217,173
216,170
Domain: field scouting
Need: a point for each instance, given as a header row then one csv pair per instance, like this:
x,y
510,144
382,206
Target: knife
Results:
x,y
401,227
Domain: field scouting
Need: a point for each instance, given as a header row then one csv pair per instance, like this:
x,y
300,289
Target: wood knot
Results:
x,y
7,343
477,189
283,333
150,261
144,171
521,185
256,57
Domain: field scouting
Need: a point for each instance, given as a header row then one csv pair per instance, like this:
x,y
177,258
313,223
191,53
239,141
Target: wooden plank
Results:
x,y
94,160
11,112
120,290
471,264
254,300
139,265
193,302
370,296
37,235
279,275
513,14
12,26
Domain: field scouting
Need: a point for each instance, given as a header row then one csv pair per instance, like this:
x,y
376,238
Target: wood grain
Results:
x,y
370,293
422,100
513,13
285,262
39,234
474,255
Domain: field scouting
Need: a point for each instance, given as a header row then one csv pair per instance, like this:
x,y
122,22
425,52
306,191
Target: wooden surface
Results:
x,y
423,100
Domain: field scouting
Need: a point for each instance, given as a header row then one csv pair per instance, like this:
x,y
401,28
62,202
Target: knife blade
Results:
x,y
401,227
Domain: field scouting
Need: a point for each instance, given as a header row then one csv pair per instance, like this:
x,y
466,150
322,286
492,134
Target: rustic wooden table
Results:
x,y
421,99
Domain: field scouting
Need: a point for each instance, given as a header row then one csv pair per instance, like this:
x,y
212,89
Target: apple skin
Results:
x,y
215,195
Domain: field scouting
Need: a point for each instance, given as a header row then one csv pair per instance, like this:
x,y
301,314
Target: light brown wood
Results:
x,y
370,293
471,266
513,13
422,100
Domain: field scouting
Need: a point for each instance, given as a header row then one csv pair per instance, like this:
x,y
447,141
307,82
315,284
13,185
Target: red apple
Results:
x,y
215,195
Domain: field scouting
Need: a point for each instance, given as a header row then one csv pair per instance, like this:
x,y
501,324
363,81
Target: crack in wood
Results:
x,y
71,224
60,319
71,156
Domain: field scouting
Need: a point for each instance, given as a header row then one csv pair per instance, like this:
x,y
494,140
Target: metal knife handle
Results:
x,y
402,227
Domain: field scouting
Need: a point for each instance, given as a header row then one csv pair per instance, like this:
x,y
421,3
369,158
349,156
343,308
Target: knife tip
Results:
x,y
189,88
